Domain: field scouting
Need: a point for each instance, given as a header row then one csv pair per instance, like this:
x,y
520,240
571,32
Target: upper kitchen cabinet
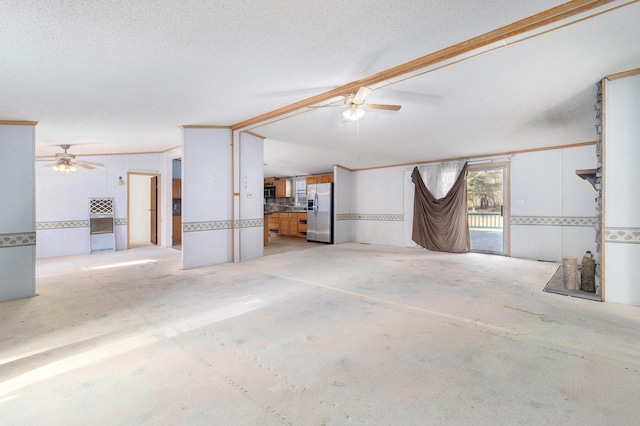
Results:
x,y
283,188
176,185
326,178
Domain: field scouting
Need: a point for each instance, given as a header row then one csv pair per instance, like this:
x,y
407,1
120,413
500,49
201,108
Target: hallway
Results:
x,y
336,334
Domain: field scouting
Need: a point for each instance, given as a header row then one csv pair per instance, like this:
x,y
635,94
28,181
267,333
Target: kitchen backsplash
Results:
x,y
283,204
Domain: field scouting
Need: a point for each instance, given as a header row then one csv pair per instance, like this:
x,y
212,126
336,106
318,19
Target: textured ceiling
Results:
x,y
122,76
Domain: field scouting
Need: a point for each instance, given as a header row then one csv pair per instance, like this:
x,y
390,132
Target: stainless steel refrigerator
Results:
x,y
320,212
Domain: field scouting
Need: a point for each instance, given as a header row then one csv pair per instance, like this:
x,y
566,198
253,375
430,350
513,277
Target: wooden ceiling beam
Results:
x,y
530,23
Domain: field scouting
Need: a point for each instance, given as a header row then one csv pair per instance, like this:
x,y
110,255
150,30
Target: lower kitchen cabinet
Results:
x,y
285,224
302,225
273,224
288,224
176,225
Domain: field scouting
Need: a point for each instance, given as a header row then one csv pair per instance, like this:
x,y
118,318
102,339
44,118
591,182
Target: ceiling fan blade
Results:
x,y
84,165
78,162
381,106
50,164
361,95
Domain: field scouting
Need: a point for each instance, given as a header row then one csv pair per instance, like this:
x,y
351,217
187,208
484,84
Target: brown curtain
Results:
x,y
441,224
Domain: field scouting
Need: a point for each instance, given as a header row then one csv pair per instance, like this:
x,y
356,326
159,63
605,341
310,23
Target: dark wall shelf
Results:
x,y
590,175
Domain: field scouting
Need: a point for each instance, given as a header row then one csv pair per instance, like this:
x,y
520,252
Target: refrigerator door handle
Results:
x,y
315,203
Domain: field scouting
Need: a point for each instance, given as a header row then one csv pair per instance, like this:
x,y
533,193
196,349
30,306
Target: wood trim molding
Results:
x,y
115,153
17,123
203,126
255,135
169,149
622,74
471,157
343,167
530,23
149,173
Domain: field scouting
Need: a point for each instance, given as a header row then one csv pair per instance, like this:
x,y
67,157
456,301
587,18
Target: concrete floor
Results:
x,y
335,335
278,245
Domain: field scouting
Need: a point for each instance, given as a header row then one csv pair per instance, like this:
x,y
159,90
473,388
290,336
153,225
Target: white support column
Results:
x,y
206,196
250,214
17,215
621,204
342,210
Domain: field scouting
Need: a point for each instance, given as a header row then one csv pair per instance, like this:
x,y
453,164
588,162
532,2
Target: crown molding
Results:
x,y
17,123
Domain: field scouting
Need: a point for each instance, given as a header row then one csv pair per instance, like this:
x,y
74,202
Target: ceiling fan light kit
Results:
x,y
64,167
354,113
66,162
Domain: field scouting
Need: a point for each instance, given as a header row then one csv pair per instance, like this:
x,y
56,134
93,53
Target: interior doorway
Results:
x,y
143,215
176,203
487,207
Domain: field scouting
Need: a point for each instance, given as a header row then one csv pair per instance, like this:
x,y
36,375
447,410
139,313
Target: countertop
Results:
x,y
285,211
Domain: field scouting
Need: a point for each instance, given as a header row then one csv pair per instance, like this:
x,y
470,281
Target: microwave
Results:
x,y
270,191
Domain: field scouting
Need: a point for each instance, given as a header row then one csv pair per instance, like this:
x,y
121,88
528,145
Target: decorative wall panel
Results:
x,y
622,235
62,224
553,221
18,239
377,217
221,224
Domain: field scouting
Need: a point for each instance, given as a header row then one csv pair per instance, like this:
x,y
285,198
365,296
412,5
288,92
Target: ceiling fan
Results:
x,y
66,162
355,105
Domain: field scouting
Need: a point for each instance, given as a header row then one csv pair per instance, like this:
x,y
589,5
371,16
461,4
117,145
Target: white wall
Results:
x,y
140,202
377,204
206,197
251,214
62,201
17,215
555,213
176,172
621,174
551,207
342,229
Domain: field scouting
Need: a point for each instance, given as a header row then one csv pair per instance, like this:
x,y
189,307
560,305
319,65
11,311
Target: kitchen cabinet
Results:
x,y
302,225
177,229
288,224
283,188
285,224
326,178
265,228
273,223
176,188
176,220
